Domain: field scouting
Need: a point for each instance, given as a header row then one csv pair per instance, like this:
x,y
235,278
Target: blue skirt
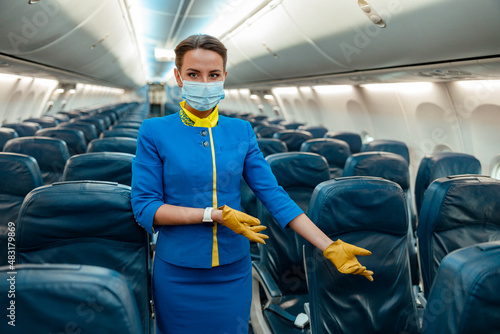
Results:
x,y
209,301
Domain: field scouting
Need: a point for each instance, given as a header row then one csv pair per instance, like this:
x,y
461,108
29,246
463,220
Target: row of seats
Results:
x,y
371,213
99,264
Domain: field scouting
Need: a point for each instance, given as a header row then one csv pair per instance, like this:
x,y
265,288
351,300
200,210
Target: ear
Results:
x,y
178,77
225,76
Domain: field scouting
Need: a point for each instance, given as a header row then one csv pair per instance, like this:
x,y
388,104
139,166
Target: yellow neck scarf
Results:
x,y
208,122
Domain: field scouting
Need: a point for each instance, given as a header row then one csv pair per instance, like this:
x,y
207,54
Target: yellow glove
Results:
x,y
243,224
343,256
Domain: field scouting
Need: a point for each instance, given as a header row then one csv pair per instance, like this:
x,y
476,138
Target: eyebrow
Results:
x,y
195,70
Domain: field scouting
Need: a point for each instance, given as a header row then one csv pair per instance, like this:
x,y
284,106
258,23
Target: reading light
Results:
x,y
254,97
72,91
269,97
59,90
33,2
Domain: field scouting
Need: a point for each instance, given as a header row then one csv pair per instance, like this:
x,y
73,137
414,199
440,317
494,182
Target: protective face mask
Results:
x,y
202,95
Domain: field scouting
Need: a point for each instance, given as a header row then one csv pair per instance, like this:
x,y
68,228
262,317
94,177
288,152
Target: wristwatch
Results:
x,y
207,215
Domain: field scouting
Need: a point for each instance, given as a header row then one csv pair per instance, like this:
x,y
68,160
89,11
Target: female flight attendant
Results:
x,y
186,185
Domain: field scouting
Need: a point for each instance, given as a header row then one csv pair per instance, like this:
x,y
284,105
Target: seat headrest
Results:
x,y
57,295
299,169
20,174
389,166
450,163
353,139
113,144
77,210
393,146
104,166
335,151
349,204
462,200
120,132
24,129
317,131
50,153
293,138
270,146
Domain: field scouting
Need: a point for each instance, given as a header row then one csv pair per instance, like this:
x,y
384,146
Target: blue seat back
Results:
x,y
291,125
298,173
268,131
317,131
392,146
369,213
458,211
100,166
50,153
270,146
90,223
44,122
351,138
293,138
465,298
120,132
113,144
99,123
24,129
20,174
74,139
335,152
6,134
89,130
439,165
66,298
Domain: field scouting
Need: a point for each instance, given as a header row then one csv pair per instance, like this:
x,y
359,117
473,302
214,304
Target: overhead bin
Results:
x,y
92,38
290,40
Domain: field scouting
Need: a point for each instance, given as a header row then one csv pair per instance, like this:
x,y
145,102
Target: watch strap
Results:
x,y
207,215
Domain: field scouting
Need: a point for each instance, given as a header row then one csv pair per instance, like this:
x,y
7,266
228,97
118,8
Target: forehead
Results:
x,y
202,59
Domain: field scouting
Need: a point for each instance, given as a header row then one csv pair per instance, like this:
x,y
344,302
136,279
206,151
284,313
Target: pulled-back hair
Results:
x,y
199,41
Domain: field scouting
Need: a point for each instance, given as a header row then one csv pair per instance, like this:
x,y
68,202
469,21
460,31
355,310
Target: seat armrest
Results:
x,y
271,289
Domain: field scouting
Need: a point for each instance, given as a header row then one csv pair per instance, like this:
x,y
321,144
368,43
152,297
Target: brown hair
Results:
x,y
199,41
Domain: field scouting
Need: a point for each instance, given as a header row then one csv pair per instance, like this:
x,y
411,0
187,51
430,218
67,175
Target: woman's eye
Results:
x,y
193,75
214,75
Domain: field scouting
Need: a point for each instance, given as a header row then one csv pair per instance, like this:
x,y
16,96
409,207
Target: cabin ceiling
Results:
x,y
269,41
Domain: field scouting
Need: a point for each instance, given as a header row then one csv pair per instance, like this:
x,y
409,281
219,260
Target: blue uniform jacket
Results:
x,y
173,165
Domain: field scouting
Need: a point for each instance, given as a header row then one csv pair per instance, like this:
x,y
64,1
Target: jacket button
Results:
x,y
205,143
203,133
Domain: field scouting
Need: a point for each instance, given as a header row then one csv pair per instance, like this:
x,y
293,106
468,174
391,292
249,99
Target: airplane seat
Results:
x,y
260,118
89,130
464,298
351,138
437,165
108,121
20,174
275,120
270,146
317,131
100,166
392,146
113,144
120,132
61,117
127,124
392,167
255,123
368,212
457,211
267,131
335,151
293,138
6,134
113,115
74,139
25,129
44,122
280,270
63,298
71,114
99,123
51,154
291,125
87,223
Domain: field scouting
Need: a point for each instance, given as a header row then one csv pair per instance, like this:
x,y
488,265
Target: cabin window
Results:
x,y
442,148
